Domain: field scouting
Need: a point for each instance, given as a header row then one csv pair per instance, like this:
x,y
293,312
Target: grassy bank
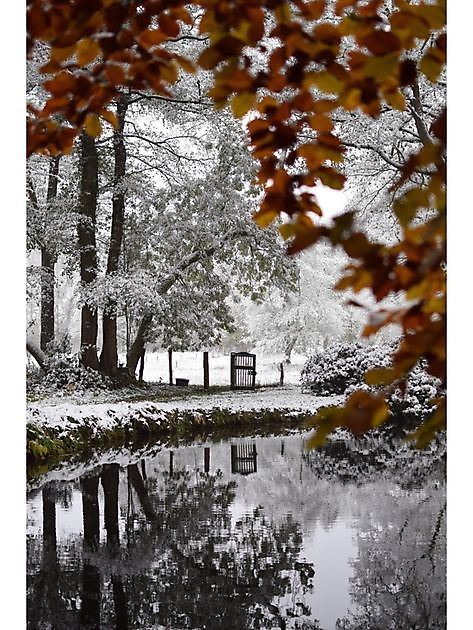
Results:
x,y
47,445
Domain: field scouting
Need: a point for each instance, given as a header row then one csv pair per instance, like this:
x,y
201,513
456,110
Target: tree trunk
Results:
x,y
142,366
170,365
136,481
38,355
206,370
90,512
88,245
288,350
109,355
138,344
48,260
110,481
47,300
120,603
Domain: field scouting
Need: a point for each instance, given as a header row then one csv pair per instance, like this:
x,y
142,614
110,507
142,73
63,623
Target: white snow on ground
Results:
x,y
190,365
106,414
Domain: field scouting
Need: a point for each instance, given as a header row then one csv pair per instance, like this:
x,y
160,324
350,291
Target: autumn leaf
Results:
x,y
86,51
324,81
110,117
265,218
242,103
93,126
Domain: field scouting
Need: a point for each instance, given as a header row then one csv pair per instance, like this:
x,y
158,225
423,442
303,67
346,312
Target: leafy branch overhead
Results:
x,y
287,68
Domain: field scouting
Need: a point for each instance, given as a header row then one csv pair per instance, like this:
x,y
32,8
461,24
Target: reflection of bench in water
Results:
x,y
243,458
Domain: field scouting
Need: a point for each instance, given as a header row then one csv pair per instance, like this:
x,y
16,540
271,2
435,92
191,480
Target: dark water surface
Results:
x,y
245,533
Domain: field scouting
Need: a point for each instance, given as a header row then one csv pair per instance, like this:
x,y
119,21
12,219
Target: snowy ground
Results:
x,y
107,407
106,414
190,365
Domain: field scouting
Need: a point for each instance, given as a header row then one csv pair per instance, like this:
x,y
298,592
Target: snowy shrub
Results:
x,y
67,375
416,401
341,368
333,370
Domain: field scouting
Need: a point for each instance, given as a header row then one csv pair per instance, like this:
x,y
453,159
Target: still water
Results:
x,y
250,532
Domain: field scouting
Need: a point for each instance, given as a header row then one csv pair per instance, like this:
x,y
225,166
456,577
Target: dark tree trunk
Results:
x,y
281,374
48,260
49,526
142,366
206,370
50,565
38,355
47,300
136,481
90,606
109,355
110,482
138,344
120,603
90,511
88,245
110,477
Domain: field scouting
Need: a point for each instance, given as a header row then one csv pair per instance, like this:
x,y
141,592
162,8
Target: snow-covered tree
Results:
x,y
307,318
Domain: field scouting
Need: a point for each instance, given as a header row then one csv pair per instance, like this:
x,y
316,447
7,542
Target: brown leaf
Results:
x,y
381,42
86,51
92,125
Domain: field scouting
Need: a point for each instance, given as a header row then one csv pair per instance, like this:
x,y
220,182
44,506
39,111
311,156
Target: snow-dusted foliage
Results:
x,y
67,376
416,402
191,245
377,148
309,317
341,367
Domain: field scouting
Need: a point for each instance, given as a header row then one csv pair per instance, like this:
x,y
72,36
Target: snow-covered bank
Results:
x,y
54,431
289,397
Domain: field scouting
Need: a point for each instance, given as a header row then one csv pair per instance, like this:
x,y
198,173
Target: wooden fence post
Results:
x,y
206,370
170,365
281,374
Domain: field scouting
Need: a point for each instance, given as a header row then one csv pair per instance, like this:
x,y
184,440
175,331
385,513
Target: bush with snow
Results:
x,y
416,402
341,368
67,375
341,365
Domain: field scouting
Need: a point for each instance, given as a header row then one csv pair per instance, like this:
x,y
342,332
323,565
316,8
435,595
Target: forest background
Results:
x,y
13,303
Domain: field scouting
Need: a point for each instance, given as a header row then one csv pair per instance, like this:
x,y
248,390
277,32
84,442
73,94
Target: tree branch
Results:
x,y
397,165
38,355
156,97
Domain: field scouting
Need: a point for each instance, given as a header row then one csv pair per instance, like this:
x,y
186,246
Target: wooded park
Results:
x,y
303,77
236,314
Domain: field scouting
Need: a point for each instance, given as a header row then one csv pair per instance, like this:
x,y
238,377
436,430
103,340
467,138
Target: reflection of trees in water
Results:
x,y
366,458
182,563
399,580
47,585
208,574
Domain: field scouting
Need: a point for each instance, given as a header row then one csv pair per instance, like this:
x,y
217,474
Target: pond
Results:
x,y
246,532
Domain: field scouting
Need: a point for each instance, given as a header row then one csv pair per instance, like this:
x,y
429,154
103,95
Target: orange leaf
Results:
x,y
87,50
381,42
93,126
110,117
